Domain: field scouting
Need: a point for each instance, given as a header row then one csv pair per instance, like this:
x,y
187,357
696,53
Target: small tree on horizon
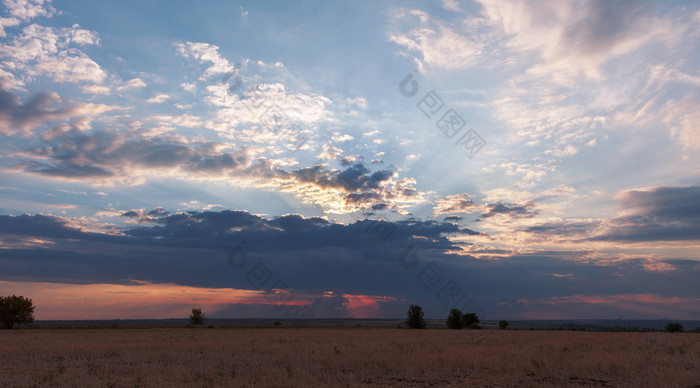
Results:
x,y
471,321
197,317
414,317
503,325
454,320
674,328
15,310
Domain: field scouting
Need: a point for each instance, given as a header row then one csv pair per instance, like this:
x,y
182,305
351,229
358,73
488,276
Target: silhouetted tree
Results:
x,y
414,317
197,317
503,325
15,310
674,328
471,321
454,320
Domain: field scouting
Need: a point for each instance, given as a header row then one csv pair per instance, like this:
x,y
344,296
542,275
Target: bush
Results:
x,y
454,320
197,317
674,328
278,322
414,317
15,310
503,325
471,321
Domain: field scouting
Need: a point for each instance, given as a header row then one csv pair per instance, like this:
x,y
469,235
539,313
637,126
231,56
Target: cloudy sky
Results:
x,y
524,160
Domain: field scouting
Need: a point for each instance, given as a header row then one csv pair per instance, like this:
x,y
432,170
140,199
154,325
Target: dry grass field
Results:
x,y
345,357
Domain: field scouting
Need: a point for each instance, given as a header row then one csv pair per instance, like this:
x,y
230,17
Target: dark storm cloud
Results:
x,y
145,217
312,256
111,153
362,187
37,111
379,206
667,203
309,255
73,154
574,229
159,211
38,225
67,170
606,24
510,210
173,247
660,214
354,177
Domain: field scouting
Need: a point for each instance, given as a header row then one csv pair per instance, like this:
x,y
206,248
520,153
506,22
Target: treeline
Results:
x,y
459,320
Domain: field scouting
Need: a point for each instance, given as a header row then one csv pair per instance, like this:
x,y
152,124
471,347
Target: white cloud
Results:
x,y
64,68
439,44
359,101
83,37
341,138
189,87
185,120
572,70
95,89
205,53
451,5
9,82
574,37
158,98
40,50
28,9
7,22
34,43
134,83
183,106
330,152
683,118
253,116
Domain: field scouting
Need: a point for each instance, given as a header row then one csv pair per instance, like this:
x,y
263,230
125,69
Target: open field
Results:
x,y
345,357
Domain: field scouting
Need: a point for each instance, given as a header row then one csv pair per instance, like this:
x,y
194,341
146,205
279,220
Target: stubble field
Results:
x,y
345,357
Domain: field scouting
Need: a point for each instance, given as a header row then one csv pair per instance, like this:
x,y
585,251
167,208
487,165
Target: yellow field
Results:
x,y
345,357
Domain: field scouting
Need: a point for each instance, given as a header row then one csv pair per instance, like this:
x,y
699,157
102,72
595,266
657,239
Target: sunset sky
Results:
x,y
524,159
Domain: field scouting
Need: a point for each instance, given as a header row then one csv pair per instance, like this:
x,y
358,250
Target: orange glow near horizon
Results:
x,y
140,300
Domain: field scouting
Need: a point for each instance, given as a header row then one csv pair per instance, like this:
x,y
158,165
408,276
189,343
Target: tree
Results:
x,y
15,309
674,328
414,317
471,321
197,317
503,325
454,320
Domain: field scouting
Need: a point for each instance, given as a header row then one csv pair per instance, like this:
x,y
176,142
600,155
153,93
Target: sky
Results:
x,y
521,160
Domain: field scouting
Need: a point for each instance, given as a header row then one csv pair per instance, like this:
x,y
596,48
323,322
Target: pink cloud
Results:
x,y
365,306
